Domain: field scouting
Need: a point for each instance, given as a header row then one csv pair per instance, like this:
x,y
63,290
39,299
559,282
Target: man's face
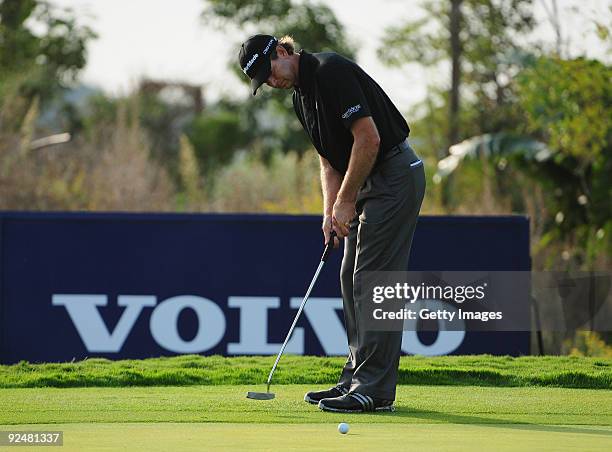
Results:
x,y
282,75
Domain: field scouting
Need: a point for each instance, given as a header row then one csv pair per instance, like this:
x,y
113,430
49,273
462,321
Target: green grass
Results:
x,y
317,437
220,417
483,370
198,403
228,404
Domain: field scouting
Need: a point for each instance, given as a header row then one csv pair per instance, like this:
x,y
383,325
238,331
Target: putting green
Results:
x,y
210,436
221,417
415,404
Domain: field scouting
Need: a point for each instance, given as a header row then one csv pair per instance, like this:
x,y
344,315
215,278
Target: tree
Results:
x,y
215,136
476,36
455,48
486,45
38,64
567,104
313,26
565,147
453,114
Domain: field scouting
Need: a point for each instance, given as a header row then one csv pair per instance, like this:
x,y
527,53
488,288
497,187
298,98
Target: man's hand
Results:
x,y
343,213
327,228
366,142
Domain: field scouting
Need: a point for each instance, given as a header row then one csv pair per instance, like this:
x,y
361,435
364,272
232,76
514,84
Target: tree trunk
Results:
x,y
455,28
453,117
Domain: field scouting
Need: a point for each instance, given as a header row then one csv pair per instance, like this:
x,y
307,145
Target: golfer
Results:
x,y
373,186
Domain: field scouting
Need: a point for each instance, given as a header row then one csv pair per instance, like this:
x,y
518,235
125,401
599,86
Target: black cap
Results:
x,y
254,59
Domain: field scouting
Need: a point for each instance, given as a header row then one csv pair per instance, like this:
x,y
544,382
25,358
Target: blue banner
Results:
x,y
76,285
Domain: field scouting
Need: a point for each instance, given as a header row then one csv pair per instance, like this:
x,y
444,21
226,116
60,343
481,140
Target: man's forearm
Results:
x,y
331,180
363,156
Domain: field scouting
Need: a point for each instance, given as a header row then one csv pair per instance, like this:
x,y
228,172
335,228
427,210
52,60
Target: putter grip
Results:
x,y
328,246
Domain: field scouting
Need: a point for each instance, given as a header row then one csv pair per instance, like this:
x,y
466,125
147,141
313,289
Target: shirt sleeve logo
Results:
x,y
351,110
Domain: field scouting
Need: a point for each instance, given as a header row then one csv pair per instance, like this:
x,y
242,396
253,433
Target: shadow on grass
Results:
x,y
493,422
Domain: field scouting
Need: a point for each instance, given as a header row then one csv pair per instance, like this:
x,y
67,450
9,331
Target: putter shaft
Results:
x,y
297,316
328,247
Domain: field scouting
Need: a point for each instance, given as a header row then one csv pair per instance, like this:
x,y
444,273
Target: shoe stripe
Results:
x,y
342,389
370,402
365,402
358,397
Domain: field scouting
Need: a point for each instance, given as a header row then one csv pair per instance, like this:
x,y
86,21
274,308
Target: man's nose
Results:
x,y
271,82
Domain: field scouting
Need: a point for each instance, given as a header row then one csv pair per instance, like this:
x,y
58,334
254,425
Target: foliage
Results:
x,y
313,25
528,121
100,111
111,171
574,180
479,38
163,122
498,147
216,136
269,115
587,343
486,33
489,57
287,184
189,171
567,102
111,167
573,117
40,62
490,54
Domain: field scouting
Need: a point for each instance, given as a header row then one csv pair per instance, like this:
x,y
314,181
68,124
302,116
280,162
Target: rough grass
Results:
x,y
482,370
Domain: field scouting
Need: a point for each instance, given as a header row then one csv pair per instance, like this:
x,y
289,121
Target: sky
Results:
x,y
168,40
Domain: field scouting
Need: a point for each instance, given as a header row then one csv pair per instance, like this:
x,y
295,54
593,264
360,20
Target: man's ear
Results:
x,y
280,50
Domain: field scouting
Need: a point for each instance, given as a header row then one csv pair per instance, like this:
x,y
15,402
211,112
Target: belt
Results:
x,y
399,148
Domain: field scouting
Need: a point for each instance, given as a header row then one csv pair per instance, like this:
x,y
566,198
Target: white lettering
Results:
x,y
253,339
351,110
265,52
164,328
250,63
323,318
84,313
321,313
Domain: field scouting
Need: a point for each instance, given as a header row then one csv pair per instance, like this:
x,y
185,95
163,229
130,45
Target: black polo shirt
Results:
x,y
333,92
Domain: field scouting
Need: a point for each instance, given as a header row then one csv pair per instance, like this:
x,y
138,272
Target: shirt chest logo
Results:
x,y
351,110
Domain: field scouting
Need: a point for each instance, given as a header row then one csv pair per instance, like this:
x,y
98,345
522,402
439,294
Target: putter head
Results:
x,y
260,395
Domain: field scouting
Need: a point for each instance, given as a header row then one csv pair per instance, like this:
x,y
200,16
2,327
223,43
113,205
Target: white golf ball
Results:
x,y
343,427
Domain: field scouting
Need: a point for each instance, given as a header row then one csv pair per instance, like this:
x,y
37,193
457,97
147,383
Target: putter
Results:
x,y
270,395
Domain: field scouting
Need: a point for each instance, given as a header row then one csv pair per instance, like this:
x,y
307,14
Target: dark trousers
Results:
x,y
380,238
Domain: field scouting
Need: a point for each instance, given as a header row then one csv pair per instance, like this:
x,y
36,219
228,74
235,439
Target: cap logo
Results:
x,y
268,46
250,63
